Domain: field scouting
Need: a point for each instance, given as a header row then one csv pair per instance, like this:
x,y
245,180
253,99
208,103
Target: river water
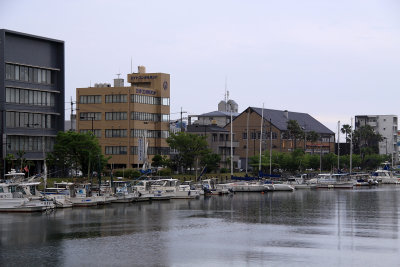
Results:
x,y
357,227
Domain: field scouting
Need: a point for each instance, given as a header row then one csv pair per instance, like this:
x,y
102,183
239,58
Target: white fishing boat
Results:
x,y
83,196
385,177
14,198
211,187
189,185
143,188
244,186
300,182
124,192
14,176
61,194
362,179
332,181
107,191
171,187
278,187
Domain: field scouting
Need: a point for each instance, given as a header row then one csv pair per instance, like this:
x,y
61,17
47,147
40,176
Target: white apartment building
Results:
x,y
386,125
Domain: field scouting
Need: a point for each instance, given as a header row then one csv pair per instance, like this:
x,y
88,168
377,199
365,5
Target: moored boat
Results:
x,y
13,198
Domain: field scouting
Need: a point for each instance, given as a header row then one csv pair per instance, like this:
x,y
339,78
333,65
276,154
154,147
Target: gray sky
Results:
x,y
331,59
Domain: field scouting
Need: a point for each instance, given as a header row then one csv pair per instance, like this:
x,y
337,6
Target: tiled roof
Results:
x,y
279,120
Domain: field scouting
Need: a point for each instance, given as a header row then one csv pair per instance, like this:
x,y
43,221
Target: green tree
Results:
x,y
159,161
189,146
313,137
21,159
366,141
328,161
10,160
346,129
79,151
294,131
211,161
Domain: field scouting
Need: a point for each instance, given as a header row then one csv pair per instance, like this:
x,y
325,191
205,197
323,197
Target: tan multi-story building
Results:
x,y
125,118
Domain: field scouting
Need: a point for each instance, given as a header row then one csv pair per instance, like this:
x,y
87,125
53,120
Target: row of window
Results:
x,y
16,119
88,116
149,133
90,99
115,133
122,133
144,99
152,150
96,133
144,116
257,135
141,116
30,97
122,150
116,116
116,150
30,143
29,74
123,98
116,98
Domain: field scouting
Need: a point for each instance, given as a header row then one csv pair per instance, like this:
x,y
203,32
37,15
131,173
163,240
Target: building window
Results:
x,y
116,98
29,143
116,150
16,119
116,116
88,116
152,150
149,133
29,74
96,132
90,99
143,116
115,133
151,100
38,98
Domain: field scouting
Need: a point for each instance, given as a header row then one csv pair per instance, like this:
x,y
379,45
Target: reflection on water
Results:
x,y
307,227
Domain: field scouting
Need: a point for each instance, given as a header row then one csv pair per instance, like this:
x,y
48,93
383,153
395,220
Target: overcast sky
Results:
x,y
331,59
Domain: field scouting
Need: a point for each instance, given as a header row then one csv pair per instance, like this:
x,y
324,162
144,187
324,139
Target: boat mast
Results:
x,y
338,146
261,135
270,147
247,138
351,145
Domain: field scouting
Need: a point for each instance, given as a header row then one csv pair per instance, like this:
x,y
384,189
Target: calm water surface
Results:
x,y
305,228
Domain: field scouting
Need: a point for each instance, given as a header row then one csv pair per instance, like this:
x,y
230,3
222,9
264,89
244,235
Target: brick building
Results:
x,y
248,124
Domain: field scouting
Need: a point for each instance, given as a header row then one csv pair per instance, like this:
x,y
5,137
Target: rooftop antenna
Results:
x,y
131,66
118,74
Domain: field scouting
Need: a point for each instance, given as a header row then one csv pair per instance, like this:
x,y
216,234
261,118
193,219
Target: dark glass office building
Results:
x,y
32,87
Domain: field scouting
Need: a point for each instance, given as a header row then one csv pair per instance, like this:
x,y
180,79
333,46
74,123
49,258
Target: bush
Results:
x,y
165,172
224,170
127,173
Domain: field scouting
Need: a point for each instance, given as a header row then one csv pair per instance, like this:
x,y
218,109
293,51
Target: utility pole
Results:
x,y
72,114
182,119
